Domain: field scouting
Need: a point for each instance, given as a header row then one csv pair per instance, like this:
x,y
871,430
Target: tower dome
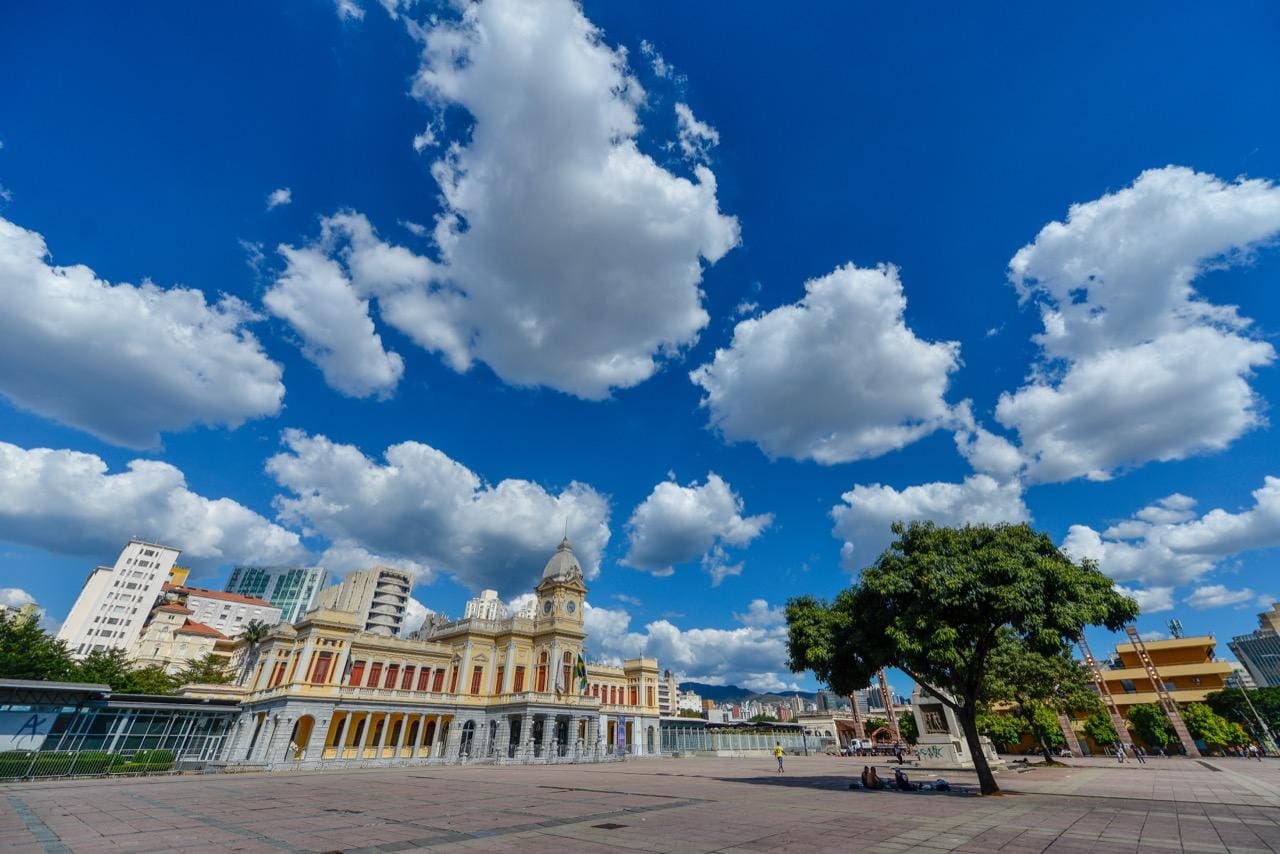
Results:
x,y
564,563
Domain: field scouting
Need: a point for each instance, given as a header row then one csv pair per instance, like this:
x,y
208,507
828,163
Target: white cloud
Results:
x,y
344,556
14,597
67,503
319,302
696,137
1136,365
349,10
659,65
835,377
569,258
1151,600
277,198
676,524
863,520
421,506
124,362
1167,545
417,229
987,452
752,656
1219,596
415,615
745,308
424,140
628,600
760,615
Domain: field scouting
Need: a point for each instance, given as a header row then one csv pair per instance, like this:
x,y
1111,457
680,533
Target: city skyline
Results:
x,y
837,271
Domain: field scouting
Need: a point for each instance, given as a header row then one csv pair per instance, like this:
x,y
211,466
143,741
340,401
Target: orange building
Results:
x,y
1186,666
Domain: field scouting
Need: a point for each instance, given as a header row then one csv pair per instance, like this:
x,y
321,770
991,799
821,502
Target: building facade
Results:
x,y
292,589
1259,651
114,603
172,639
1186,666
379,597
329,691
228,613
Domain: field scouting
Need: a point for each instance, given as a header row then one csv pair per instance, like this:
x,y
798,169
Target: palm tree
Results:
x,y
254,633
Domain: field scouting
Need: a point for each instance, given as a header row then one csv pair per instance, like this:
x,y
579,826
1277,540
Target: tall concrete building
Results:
x,y
668,691
292,589
116,600
486,606
378,597
1259,651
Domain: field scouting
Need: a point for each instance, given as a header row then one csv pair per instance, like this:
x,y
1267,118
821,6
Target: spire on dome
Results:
x,y
563,563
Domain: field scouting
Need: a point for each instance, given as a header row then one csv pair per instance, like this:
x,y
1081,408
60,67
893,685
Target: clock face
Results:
x,y
572,606
546,607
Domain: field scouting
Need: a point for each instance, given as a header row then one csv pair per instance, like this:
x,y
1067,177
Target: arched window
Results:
x,y
541,684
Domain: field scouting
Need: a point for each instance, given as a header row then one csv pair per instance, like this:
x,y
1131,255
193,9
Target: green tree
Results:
x,y
29,652
1212,728
1152,725
934,605
209,669
762,718
688,713
1004,730
907,727
113,667
253,634
873,724
1098,726
1230,703
1038,687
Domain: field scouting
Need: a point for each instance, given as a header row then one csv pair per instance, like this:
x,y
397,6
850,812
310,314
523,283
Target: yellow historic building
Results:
x,y
506,690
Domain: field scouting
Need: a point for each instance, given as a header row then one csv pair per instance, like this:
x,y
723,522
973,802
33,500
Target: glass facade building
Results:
x,y
292,589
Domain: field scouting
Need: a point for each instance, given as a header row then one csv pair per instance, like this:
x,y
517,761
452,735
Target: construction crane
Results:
x,y
1167,702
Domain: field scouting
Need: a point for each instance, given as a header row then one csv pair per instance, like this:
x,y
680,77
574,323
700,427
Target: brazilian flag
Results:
x,y
580,673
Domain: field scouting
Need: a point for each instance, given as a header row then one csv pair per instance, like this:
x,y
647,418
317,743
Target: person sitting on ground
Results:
x,y
901,781
873,779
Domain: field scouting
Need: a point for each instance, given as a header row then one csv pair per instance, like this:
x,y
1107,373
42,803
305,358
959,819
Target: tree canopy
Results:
x,y
113,667
1152,725
29,652
1213,729
936,604
209,669
1098,726
1038,687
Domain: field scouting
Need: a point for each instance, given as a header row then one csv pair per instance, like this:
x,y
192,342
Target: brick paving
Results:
x,y
687,806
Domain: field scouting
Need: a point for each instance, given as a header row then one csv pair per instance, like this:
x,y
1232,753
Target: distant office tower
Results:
x,y
116,600
486,606
292,589
1259,651
378,597
227,613
667,694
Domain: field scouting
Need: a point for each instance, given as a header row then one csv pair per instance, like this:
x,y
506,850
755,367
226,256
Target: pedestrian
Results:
x,y
897,751
1140,755
1120,754
778,753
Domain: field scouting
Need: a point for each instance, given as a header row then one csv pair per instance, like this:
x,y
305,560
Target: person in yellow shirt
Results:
x,y
778,753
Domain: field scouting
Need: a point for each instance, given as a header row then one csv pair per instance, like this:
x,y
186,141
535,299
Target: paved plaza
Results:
x,y
663,805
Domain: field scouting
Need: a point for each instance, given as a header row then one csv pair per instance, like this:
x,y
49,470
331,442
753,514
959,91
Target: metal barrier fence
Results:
x,y
55,764
681,740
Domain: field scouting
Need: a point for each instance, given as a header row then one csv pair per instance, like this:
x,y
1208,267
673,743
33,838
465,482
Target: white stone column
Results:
x,y
422,731
437,745
509,669
386,732
314,748
404,735
339,665
364,734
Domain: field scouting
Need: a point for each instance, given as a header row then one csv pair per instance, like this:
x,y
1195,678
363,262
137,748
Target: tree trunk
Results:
x,y
1044,749
968,715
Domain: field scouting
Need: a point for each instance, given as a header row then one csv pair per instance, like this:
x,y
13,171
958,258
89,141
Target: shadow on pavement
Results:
x,y
841,784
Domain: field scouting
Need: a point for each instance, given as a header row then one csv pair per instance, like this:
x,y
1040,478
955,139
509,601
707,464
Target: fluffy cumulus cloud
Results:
x,y
344,556
124,362
279,198
836,377
677,524
419,508
15,597
415,615
696,137
863,520
569,258
1166,545
317,299
68,503
1151,600
753,655
349,10
1218,596
1137,366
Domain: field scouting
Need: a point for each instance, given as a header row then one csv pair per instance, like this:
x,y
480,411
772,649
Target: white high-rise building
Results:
x,y
116,600
486,606
378,597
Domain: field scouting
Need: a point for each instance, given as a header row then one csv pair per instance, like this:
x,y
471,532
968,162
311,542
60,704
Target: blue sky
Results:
x,y
540,263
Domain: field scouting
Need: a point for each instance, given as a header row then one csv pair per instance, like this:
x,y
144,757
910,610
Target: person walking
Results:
x,y
1140,755
778,753
1120,754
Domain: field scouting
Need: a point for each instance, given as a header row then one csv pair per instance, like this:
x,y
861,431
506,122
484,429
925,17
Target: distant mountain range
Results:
x,y
734,694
